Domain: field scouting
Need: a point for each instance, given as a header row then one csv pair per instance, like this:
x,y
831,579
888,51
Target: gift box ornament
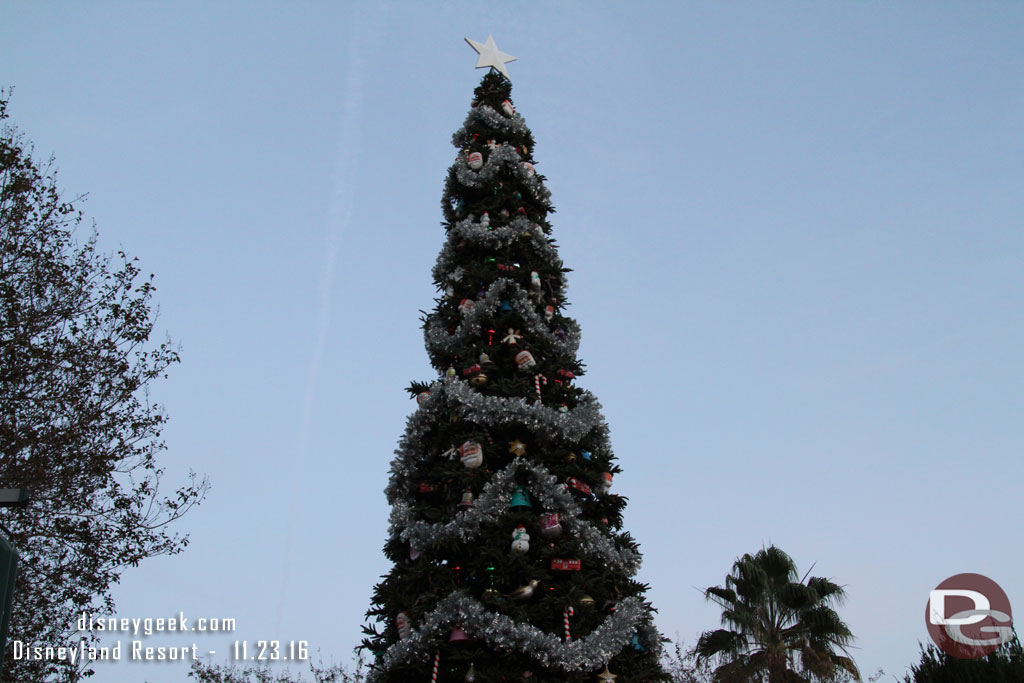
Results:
x,y
565,564
551,525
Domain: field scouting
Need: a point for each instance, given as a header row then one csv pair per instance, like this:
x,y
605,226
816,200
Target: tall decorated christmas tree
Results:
x,y
509,559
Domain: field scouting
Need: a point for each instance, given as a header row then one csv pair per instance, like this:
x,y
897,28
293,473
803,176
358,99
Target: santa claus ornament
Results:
x,y
465,306
471,454
403,625
525,360
476,160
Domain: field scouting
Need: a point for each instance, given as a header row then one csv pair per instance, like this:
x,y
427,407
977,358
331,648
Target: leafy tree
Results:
x,y
1005,665
260,673
779,628
683,666
77,427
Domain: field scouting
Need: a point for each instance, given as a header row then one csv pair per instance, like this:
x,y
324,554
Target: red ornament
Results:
x,y
427,488
551,525
565,564
575,483
475,367
568,374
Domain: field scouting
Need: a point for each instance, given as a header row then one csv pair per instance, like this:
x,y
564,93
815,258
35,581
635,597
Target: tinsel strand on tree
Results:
x,y
510,562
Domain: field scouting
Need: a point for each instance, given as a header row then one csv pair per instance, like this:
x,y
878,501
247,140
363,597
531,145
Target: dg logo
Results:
x,y
968,616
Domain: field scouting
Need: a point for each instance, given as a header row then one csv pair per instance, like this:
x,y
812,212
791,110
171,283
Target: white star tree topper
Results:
x,y
491,56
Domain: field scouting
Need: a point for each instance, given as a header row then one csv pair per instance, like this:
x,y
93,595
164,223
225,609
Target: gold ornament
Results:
x,y
587,601
478,380
517,448
606,676
572,457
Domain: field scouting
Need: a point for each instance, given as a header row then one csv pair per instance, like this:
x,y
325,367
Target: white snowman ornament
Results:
x,y
520,540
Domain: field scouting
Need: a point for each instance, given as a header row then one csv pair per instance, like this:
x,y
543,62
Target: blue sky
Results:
x,y
795,231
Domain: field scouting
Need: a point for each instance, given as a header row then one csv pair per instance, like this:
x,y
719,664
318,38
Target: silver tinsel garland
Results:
x,y
454,394
493,502
504,634
439,341
475,234
514,125
505,156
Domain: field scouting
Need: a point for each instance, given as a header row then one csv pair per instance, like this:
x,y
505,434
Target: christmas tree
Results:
x,y
509,559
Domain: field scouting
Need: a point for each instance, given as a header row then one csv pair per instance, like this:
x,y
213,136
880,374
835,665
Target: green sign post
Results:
x,y
8,572
8,564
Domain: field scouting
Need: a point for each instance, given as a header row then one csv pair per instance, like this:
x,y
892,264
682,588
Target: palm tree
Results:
x,y
776,625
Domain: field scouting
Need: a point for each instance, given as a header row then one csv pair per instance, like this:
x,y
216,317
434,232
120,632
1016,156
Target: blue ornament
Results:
x,y
585,454
506,306
636,643
520,499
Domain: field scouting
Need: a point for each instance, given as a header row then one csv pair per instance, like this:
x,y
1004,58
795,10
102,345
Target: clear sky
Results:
x,y
796,235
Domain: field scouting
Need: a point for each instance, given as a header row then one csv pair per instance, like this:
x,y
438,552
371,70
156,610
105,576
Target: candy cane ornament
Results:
x,y
539,379
437,662
565,620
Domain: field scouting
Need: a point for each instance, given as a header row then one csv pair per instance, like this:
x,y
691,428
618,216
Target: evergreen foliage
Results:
x,y
544,447
1005,665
